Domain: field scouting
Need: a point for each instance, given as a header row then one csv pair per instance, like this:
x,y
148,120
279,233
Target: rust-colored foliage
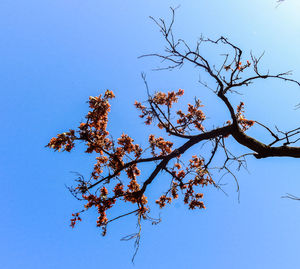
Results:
x,y
118,174
123,155
245,124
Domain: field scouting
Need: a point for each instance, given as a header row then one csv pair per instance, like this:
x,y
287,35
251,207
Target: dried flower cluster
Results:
x,y
200,178
244,123
194,117
117,174
238,66
122,157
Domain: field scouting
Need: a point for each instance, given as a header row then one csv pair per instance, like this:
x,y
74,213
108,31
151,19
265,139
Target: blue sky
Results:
x,y
55,54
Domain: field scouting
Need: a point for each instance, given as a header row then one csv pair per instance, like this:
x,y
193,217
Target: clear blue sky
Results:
x,y
54,54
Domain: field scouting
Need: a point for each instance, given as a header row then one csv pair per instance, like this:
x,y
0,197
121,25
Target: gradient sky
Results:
x,y
55,54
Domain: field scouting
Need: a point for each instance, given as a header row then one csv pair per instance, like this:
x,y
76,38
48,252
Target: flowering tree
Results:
x,y
119,163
